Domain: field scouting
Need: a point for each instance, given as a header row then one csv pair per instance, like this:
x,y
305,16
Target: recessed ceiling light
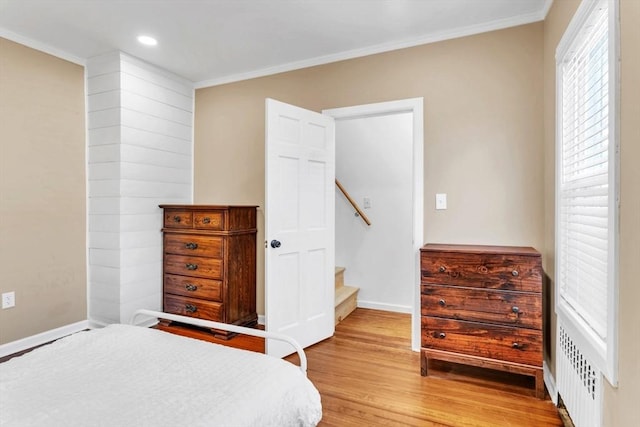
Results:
x,y
147,40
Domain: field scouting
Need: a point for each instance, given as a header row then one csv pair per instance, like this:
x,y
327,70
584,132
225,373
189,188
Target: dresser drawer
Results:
x,y
518,345
208,268
193,307
175,218
502,307
208,220
189,244
194,287
503,271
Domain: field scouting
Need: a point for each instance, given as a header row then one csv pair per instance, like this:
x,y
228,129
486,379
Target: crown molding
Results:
x,y
381,48
321,60
42,47
545,9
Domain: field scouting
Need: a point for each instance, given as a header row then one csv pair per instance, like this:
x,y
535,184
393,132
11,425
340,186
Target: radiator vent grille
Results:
x,y
579,382
587,375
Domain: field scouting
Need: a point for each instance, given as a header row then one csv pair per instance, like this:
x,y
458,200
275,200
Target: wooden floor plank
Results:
x,y
368,375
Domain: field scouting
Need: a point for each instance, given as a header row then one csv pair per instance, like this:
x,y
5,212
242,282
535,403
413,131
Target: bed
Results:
x,y
127,375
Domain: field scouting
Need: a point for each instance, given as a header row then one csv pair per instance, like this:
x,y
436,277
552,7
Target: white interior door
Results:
x,y
299,217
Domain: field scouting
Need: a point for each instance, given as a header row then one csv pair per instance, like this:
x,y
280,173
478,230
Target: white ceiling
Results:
x,y
216,41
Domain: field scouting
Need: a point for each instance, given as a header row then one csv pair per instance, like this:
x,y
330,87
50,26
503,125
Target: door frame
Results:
x,y
414,106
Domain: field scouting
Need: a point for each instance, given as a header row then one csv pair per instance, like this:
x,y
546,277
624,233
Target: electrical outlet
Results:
x,y
8,299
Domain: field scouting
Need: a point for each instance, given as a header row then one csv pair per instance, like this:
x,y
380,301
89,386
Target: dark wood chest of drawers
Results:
x,y
482,306
209,263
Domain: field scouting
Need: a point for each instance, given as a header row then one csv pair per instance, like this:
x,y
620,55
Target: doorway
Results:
x,y
379,151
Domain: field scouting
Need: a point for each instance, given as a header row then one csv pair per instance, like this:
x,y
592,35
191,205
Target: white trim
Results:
x,y
381,48
42,338
545,8
550,383
156,69
42,47
611,370
415,106
396,308
575,26
87,265
603,354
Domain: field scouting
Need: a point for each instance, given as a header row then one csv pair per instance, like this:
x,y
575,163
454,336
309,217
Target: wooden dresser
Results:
x,y
209,263
482,306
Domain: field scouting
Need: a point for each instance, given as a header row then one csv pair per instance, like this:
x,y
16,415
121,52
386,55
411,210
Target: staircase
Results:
x,y
346,296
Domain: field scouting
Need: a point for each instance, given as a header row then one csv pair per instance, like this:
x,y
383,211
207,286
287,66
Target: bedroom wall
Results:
x,y
139,156
620,404
42,191
482,130
555,24
374,159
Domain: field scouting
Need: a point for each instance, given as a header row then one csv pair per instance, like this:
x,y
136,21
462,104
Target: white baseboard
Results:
x,y
385,307
42,338
364,304
550,382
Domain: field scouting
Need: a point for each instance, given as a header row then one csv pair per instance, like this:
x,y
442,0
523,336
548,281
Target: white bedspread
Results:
x,y
133,376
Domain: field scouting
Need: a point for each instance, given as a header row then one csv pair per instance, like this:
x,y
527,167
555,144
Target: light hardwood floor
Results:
x,y
367,375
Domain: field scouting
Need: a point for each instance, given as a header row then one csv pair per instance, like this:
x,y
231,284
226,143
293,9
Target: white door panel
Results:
x,y
299,214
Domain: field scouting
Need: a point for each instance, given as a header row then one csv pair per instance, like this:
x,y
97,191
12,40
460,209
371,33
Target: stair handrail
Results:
x,y
359,211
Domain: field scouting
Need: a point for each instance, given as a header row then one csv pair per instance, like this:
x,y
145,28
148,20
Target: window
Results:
x,y
586,180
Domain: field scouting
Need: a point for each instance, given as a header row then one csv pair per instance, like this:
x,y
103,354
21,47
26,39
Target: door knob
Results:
x,y
275,244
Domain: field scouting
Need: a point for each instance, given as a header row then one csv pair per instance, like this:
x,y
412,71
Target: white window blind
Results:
x,y
586,170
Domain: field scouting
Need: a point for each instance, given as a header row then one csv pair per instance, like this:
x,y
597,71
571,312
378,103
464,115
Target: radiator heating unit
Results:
x,y
579,381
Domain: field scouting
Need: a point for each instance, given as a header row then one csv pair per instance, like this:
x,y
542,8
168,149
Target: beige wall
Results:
x,y
482,130
42,191
621,404
555,24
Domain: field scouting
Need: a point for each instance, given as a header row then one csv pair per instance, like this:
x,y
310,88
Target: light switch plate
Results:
x,y
441,201
8,299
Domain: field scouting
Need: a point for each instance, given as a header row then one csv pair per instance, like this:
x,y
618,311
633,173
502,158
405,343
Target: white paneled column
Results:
x,y
140,127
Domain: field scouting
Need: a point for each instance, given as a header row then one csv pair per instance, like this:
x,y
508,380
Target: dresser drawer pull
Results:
x,y
190,287
442,335
515,273
206,220
190,308
442,303
191,266
191,245
442,269
517,346
515,309
177,218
